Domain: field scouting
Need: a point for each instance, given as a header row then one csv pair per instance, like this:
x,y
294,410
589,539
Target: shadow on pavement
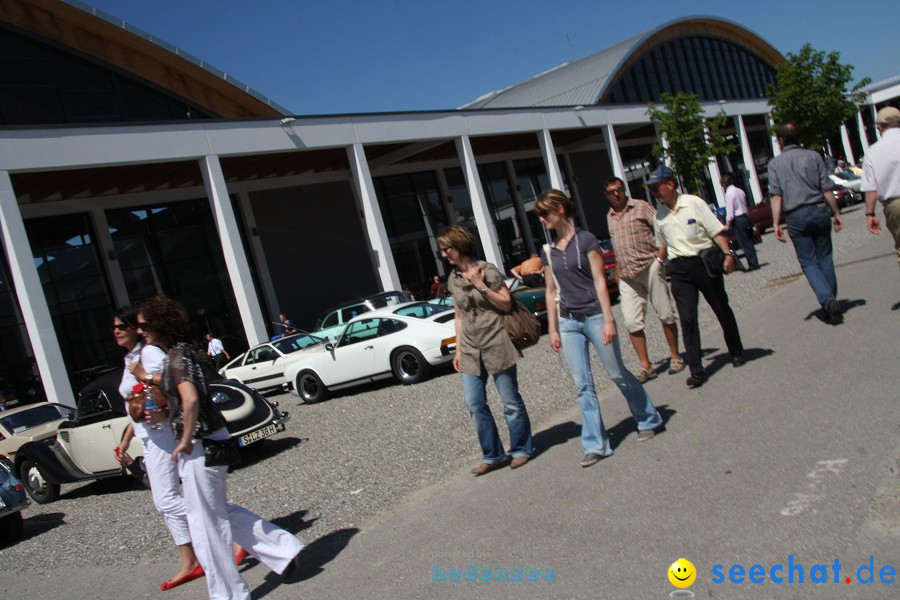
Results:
x,y
846,305
554,436
724,359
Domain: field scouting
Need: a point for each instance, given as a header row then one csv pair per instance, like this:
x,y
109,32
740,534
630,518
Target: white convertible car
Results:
x,y
404,341
262,367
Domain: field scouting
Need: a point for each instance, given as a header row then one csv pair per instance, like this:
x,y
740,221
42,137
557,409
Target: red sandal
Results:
x,y
197,573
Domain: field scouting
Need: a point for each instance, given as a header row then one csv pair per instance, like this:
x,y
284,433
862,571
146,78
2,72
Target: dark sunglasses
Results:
x,y
121,327
544,213
142,325
615,191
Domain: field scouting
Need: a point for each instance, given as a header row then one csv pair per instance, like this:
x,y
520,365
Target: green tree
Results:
x,y
691,137
811,91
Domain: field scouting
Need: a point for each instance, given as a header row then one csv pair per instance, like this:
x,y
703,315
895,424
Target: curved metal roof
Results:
x,y
89,30
586,81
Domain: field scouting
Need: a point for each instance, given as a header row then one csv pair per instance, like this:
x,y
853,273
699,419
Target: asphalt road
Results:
x,y
793,457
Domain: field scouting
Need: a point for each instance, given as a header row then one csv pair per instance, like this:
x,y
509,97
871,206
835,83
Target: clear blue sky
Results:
x,y
352,56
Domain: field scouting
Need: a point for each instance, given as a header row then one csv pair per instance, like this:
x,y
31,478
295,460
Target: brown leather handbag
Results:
x,y
523,328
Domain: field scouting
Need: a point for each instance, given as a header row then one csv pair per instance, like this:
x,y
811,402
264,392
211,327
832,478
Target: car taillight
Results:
x,y
542,305
19,487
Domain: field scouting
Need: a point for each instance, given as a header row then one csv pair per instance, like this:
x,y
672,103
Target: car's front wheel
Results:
x,y
310,387
37,487
409,366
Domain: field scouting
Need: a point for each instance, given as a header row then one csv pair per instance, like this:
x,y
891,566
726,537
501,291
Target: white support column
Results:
x,y
550,162
32,301
365,190
749,165
483,219
259,257
518,207
848,149
863,138
108,252
615,159
715,175
776,149
233,250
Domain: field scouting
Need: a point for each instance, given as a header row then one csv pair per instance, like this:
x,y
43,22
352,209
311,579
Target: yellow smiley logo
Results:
x,y
682,573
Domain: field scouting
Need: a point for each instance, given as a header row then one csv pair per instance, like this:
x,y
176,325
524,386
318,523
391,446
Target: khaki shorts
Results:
x,y
892,221
648,285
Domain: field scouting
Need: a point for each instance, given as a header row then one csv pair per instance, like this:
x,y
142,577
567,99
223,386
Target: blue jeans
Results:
x,y
513,409
810,231
575,339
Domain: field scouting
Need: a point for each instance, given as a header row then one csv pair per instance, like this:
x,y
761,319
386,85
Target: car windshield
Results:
x,y
296,342
34,417
421,310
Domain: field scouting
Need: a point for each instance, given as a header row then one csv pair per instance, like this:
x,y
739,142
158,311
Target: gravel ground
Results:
x,y
346,460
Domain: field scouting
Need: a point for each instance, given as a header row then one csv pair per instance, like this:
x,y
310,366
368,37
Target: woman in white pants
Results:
x,y
158,445
212,521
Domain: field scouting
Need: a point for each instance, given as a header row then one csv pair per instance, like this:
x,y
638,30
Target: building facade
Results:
x,y
128,168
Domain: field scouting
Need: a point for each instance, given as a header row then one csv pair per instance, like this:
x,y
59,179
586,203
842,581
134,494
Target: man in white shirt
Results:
x,y
736,217
216,351
881,175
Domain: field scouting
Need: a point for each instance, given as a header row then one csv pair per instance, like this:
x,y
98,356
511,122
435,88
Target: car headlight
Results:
x,y
220,397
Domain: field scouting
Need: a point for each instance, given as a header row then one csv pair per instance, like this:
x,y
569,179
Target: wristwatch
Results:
x,y
483,291
732,254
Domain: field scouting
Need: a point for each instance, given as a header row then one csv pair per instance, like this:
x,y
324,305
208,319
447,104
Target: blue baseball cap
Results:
x,y
662,173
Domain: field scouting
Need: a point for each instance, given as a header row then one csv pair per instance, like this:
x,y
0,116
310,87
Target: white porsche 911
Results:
x,y
262,367
402,341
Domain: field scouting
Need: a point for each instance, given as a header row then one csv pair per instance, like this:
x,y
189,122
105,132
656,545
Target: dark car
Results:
x,y
12,501
82,448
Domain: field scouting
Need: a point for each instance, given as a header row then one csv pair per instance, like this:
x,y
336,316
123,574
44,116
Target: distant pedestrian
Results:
x,y
585,318
287,326
483,347
435,287
216,351
800,186
737,218
642,274
881,175
686,228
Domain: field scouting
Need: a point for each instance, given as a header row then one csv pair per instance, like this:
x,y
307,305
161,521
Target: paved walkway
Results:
x,y
796,454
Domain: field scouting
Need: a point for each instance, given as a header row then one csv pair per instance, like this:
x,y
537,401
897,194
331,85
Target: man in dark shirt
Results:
x,y
799,185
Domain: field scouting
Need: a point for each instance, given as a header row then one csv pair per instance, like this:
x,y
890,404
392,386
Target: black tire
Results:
x,y
12,528
36,485
409,366
310,388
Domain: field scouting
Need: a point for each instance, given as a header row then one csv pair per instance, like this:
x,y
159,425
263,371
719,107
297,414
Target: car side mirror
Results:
x,y
329,346
70,416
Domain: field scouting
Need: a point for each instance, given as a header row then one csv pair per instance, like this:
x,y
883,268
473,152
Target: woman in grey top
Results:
x,y
483,346
585,317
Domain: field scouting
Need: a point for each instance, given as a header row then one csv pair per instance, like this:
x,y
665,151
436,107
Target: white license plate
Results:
x,y
255,436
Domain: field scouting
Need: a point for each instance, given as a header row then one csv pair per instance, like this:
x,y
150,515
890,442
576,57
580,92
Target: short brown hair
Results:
x,y
166,320
552,199
458,237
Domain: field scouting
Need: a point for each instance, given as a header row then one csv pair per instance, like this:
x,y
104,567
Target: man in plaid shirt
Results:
x,y
642,274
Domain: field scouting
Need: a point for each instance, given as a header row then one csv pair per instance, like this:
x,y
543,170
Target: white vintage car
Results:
x,y
81,447
402,341
262,367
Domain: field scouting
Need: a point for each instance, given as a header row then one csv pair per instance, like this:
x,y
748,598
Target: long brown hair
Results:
x,y
166,320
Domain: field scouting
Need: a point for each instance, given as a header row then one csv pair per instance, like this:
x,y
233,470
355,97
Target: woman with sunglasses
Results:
x,y
158,445
213,522
482,346
585,317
